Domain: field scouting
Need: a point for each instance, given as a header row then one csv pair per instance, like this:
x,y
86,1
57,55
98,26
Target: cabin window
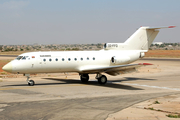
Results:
x,y
44,60
56,59
93,58
62,59
50,59
69,59
87,58
75,59
81,58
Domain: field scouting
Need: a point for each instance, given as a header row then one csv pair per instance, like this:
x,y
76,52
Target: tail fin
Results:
x,y
143,38
140,40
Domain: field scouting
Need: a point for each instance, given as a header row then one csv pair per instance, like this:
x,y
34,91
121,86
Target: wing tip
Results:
x,y
145,64
171,26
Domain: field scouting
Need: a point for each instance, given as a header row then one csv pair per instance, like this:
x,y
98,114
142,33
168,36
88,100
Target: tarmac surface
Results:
x,y
58,97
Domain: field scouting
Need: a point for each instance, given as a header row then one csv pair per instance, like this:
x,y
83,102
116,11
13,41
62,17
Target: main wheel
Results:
x,y
84,78
31,82
102,79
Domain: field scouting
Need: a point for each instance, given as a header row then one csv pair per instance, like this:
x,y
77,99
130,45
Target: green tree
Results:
x,y
1,47
162,45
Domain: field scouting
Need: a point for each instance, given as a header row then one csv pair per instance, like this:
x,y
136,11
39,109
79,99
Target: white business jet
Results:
x,y
113,59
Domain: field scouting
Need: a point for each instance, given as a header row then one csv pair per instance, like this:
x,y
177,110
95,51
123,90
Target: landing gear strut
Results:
x,y
84,78
30,82
102,79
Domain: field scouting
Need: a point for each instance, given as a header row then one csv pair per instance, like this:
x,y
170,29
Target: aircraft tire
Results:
x,y
102,79
84,78
31,82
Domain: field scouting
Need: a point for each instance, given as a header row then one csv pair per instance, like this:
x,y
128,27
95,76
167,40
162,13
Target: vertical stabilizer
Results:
x,y
140,40
143,38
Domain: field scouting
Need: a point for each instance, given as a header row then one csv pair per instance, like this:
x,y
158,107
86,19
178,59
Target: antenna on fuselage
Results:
x,y
65,74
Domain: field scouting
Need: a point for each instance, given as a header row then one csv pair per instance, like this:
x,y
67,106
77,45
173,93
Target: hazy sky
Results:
x,y
85,21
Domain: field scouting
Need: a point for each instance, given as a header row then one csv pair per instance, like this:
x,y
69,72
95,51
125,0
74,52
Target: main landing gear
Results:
x,y
102,79
30,82
84,78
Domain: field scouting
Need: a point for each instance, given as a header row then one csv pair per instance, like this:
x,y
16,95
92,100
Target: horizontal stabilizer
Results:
x,y
160,27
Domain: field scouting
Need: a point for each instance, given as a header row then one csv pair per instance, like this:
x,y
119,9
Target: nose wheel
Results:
x,y
30,82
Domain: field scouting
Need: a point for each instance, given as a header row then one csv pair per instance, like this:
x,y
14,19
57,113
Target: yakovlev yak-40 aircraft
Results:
x,y
113,59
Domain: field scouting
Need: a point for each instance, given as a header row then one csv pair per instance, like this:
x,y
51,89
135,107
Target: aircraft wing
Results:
x,y
112,70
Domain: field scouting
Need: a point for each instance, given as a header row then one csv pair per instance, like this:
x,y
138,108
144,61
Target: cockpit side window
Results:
x,y
24,57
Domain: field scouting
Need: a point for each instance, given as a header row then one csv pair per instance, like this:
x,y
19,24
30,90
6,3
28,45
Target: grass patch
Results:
x,y
156,102
151,108
173,115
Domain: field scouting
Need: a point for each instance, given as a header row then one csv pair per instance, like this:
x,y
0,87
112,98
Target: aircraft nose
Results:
x,y
8,67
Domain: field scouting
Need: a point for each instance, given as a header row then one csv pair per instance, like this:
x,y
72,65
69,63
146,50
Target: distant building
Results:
x,y
158,43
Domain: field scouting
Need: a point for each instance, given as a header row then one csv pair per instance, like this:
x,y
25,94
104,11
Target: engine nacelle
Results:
x,y
120,60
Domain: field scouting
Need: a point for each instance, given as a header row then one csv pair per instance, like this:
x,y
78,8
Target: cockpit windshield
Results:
x,y
21,57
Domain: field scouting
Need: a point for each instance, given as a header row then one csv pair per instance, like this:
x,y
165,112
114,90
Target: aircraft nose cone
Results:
x,y
7,67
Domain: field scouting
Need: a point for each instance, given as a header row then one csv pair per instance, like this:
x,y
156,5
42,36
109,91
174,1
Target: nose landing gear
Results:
x,y
30,82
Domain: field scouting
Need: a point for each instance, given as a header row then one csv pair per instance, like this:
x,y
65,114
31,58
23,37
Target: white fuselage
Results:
x,y
70,61
114,59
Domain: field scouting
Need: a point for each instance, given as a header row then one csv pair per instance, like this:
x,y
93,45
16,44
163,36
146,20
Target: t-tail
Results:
x,y
140,40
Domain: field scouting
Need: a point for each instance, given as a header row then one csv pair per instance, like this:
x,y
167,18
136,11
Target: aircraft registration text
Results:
x,y
112,45
45,55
